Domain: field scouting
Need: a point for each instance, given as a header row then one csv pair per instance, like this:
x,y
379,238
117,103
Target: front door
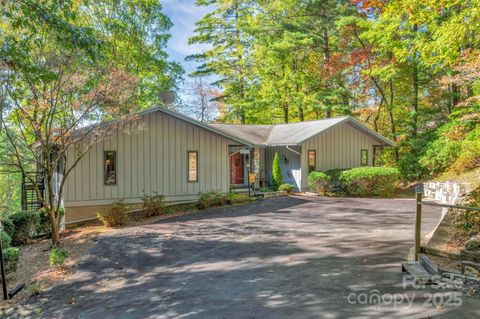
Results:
x,y
236,169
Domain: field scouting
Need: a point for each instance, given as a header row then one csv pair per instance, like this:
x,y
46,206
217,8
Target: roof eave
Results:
x,y
371,132
199,124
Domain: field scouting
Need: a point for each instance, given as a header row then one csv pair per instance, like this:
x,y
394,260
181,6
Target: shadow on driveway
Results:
x,y
289,257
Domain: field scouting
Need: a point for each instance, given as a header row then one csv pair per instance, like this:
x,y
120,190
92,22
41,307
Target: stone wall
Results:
x,y
444,192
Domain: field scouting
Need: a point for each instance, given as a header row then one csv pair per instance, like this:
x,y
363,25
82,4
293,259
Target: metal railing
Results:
x,y
418,217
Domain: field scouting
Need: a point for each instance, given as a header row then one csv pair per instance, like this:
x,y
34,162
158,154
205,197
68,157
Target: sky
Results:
x,y
183,14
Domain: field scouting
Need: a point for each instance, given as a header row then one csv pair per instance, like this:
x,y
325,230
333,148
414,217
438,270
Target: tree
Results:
x,y
62,80
203,104
277,175
135,35
228,51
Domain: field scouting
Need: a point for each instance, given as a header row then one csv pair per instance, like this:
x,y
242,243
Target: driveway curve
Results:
x,y
287,257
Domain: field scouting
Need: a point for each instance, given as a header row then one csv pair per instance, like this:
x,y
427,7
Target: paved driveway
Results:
x,y
290,257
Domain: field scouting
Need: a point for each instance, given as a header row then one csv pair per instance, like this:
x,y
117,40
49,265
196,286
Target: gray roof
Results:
x,y
86,130
292,133
255,134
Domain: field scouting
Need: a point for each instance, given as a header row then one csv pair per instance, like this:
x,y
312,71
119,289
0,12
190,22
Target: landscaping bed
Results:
x,y
34,266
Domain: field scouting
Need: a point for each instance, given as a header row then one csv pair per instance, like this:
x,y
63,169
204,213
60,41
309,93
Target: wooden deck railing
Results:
x,y
418,217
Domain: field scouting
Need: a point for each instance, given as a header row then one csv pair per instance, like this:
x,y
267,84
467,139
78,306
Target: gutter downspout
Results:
x,y
292,150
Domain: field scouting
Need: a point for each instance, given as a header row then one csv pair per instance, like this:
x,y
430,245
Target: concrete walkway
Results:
x,y
290,257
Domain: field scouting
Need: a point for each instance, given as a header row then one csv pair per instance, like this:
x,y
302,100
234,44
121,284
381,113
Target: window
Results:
x,y
110,167
192,166
312,160
364,158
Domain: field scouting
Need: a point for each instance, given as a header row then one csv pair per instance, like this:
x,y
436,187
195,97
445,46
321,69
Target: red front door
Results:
x,y
236,169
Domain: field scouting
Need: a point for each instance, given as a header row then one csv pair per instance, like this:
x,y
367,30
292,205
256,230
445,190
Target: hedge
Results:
x,y
11,255
318,182
25,226
377,181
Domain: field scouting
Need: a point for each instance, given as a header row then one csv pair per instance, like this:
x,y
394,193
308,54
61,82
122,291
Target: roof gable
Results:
x,y
293,133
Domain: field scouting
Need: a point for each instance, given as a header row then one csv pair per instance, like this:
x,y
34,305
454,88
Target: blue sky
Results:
x,y
183,14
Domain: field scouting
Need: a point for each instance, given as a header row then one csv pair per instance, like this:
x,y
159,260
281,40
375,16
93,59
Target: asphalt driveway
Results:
x,y
289,257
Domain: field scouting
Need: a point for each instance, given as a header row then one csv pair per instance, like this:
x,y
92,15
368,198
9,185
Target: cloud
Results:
x,y
183,14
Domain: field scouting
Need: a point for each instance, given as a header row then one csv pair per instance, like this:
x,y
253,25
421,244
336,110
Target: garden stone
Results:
x,y
473,244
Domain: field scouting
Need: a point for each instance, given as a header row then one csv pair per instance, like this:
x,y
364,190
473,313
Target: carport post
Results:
x,y
418,224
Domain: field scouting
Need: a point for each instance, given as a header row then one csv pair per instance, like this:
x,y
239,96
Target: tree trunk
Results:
x,y
285,113
393,127
326,47
415,90
415,99
455,95
326,61
55,229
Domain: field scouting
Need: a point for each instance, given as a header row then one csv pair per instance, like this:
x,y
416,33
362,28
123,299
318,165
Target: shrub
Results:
x,y
473,244
58,256
11,255
334,174
235,198
116,215
469,220
25,223
440,154
379,181
210,199
469,158
277,176
153,205
286,188
6,240
44,226
8,226
318,182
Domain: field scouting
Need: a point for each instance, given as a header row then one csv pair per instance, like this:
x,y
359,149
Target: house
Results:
x,y
178,157
334,143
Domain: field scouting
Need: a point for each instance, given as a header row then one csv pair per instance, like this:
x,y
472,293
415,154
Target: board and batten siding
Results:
x,y
150,160
290,168
338,147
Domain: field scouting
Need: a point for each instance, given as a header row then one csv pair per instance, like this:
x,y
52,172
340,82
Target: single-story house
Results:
x,y
178,157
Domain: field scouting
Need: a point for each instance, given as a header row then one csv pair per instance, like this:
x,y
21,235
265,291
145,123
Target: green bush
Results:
x,y
335,185
235,198
286,188
58,256
440,155
8,226
335,173
277,176
44,226
11,255
6,240
153,205
318,182
378,181
115,215
210,199
469,157
25,223
469,220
